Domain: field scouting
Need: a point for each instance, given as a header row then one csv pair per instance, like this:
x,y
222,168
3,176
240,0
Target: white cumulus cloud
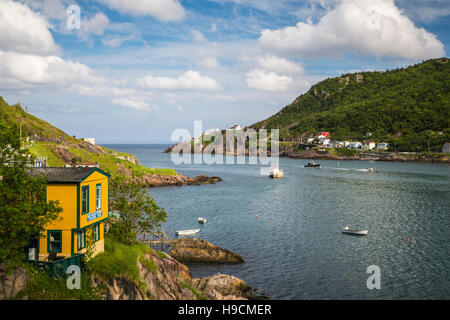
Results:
x,y
268,81
96,25
22,30
376,28
164,10
198,36
30,69
276,64
134,103
190,80
209,62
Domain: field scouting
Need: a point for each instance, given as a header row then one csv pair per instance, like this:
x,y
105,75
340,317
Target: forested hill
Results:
x,y
408,107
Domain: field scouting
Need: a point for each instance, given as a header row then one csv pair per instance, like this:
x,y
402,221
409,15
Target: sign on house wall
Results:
x,y
94,215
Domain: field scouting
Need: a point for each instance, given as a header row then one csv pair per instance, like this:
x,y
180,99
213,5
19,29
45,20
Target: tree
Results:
x,y
138,211
24,210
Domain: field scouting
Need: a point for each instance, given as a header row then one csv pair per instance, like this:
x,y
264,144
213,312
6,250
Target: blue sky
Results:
x,y
137,70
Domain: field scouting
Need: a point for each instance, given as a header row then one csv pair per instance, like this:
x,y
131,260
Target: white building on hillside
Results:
x,y
383,146
346,143
324,142
446,147
355,145
90,140
235,127
369,145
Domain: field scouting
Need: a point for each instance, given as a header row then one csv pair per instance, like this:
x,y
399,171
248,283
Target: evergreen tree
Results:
x,y
24,210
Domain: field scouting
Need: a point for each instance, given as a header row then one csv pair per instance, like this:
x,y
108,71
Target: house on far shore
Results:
x,y
337,144
323,134
355,145
346,143
383,146
446,147
235,127
369,145
324,142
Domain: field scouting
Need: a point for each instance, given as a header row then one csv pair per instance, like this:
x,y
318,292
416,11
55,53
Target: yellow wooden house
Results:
x,y
83,195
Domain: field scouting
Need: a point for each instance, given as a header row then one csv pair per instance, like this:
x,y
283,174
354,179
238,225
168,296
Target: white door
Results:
x,y
31,253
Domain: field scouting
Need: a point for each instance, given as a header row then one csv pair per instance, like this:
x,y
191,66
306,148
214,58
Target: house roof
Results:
x,y
65,175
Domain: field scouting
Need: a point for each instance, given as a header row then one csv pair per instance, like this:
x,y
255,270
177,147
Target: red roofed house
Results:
x,y
323,134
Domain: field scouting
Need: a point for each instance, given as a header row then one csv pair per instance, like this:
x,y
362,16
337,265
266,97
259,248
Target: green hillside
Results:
x,y
44,140
408,108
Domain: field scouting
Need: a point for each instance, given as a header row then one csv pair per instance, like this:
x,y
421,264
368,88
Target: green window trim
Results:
x,y
85,200
49,241
96,231
81,239
98,196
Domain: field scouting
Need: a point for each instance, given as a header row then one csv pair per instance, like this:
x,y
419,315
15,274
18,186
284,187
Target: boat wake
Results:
x,y
351,169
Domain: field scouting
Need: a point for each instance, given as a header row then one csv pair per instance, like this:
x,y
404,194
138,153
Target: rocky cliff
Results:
x,y
164,278
12,281
158,276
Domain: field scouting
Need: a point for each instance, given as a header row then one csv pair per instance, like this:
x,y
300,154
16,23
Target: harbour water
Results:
x,y
289,230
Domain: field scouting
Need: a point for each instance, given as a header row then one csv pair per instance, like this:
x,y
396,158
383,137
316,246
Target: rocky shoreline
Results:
x,y
199,251
373,156
290,152
169,279
161,277
158,180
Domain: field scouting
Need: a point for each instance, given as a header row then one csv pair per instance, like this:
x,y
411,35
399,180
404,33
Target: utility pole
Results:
x,y
20,128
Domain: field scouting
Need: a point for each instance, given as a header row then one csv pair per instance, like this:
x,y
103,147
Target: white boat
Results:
x,y
359,232
202,220
276,173
187,232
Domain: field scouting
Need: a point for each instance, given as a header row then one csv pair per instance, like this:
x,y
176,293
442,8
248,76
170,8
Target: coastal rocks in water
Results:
x,y
201,251
157,180
224,287
202,179
11,283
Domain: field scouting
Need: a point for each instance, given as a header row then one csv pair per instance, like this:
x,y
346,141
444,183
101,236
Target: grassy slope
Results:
x,y
414,101
44,144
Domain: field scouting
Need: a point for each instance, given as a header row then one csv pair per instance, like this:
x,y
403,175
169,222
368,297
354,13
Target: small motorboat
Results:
x,y
370,169
187,232
358,232
202,220
312,165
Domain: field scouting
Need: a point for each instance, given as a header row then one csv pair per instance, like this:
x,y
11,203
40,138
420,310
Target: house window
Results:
x,y
96,231
54,241
81,239
85,199
98,196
